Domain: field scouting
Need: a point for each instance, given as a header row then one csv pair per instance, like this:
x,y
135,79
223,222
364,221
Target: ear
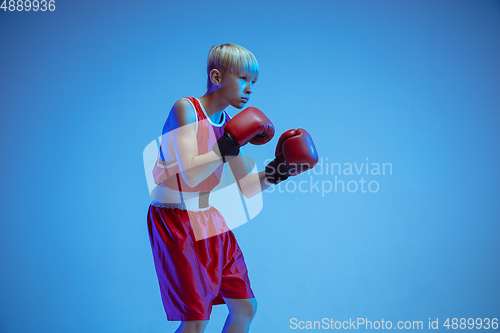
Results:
x,y
215,77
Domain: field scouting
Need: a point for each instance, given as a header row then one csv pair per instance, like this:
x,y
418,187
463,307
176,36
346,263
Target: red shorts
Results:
x,y
194,275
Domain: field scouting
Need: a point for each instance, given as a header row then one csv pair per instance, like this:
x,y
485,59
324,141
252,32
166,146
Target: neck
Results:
x,y
212,103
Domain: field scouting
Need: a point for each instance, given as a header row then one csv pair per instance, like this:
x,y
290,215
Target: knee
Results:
x,y
251,309
247,308
195,326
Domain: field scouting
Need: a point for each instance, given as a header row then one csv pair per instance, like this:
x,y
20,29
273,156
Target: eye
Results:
x,y
243,78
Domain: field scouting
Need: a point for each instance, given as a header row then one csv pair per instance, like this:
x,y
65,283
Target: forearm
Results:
x,y
200,168
253,184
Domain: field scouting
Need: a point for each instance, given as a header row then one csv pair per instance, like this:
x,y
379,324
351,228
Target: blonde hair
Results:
x,y
233,58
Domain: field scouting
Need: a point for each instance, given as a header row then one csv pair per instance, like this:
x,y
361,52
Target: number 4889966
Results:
x,y
27,5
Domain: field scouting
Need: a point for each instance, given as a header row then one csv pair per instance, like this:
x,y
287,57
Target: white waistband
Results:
x,y
165,197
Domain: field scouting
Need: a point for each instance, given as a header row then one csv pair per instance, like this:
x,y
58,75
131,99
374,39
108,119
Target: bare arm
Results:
x,y
249,183
194,168
254,183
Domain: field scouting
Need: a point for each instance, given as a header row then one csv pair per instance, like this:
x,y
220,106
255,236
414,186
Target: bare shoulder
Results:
x,y
182,113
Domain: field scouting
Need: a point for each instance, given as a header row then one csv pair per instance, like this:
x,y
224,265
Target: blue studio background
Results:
x,y
416,84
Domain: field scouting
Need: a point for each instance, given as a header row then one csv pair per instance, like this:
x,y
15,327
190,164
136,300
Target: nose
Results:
x,y
249,88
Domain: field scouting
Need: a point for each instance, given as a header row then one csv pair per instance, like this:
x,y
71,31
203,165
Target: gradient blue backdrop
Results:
x,y
416,84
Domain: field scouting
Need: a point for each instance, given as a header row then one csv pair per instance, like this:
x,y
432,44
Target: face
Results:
x,y
237,88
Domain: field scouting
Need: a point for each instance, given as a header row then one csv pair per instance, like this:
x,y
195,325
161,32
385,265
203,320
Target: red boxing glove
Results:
x,y
250,125
295,153
298,149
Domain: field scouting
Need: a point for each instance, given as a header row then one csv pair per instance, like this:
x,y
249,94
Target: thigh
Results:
x,y
235,283
187,284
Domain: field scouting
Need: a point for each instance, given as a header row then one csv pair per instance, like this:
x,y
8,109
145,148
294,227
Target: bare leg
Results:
x,y
192,326
241,313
